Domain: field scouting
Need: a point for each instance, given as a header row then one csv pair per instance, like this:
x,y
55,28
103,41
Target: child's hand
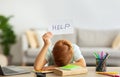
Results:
x,y
46,38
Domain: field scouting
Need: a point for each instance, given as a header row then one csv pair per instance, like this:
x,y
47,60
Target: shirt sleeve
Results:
x,y
48,55
77,53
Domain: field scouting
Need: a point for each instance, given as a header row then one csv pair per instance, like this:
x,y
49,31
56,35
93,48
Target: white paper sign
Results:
x,y
57,29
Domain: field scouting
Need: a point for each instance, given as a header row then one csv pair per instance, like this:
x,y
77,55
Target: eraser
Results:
x,y
41,74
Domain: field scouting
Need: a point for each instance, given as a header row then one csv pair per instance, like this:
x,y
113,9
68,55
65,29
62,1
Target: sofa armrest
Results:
x,y
24,43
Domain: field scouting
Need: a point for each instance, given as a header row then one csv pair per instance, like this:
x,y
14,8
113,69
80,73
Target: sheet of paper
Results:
x,y
58,29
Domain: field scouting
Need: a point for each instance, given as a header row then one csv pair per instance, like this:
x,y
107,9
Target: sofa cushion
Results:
x,y
116,42
91,60
88,51
96,38
32,52
31,39
39,34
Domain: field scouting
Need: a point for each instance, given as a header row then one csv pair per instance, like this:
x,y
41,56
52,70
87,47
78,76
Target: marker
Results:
x,y
96,55
106,57
101,55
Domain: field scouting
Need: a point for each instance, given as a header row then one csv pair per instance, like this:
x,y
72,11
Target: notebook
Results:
x,y
12,70
70,70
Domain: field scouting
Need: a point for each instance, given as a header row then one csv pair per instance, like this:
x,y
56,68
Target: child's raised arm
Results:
x,y
40,59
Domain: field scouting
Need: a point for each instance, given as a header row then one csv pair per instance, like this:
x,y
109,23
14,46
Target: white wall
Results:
x,y
100,14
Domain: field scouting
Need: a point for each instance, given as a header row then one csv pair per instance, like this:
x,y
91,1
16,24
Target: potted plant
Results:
x,y
7,35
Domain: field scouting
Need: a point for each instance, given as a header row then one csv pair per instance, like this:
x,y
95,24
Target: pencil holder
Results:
x,y
100,65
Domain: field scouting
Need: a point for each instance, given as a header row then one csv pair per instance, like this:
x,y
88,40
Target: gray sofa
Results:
x,y
89,41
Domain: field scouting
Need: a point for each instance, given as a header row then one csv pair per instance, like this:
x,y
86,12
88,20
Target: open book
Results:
x,y
70,70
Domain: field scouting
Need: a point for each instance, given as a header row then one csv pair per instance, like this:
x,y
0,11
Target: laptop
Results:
x,y
12,70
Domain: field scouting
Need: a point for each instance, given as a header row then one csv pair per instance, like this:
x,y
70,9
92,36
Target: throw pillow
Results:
x,y
31,39
116,42
39,34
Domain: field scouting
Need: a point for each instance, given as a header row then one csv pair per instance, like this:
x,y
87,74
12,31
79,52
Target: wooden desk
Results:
x,y
91,73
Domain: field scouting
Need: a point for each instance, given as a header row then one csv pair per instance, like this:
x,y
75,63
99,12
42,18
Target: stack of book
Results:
x,y
70,69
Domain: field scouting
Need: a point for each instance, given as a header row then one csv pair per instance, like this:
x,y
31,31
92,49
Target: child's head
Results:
x,y
62,52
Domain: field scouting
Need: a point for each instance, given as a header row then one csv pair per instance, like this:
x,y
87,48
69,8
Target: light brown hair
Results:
x,y
62,52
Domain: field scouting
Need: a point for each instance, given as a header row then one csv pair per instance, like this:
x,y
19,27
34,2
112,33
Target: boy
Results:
x,y
63,53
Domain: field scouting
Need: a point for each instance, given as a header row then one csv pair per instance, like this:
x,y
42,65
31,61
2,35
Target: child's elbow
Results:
x,y
36,68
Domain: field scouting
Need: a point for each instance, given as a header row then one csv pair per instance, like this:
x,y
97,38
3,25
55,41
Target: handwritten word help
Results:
x,y
61,29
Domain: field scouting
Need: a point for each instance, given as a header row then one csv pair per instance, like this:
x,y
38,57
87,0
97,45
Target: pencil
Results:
x,y
113,73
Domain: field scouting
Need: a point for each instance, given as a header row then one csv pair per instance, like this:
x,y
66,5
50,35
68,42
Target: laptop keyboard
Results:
x,y
7,70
